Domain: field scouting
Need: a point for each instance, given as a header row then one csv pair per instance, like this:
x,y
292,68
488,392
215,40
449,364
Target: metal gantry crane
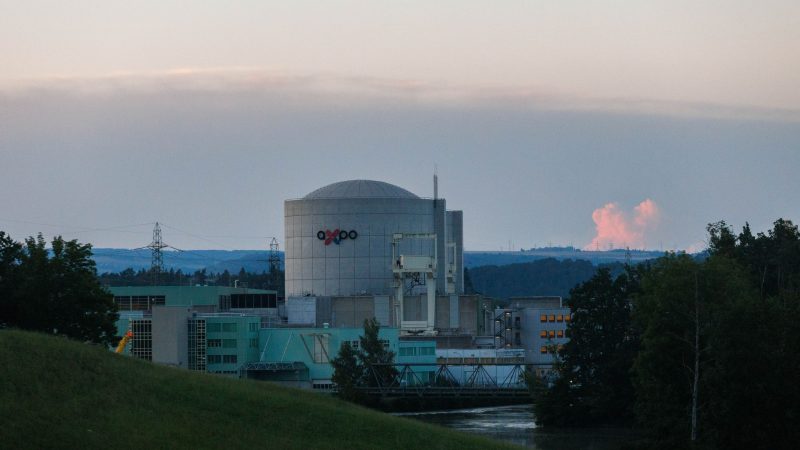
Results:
x,y
422,269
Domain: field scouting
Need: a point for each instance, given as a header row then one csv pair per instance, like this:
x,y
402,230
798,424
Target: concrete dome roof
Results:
x,y
360,189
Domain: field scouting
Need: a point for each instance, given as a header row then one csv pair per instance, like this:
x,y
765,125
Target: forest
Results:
x,y
695,354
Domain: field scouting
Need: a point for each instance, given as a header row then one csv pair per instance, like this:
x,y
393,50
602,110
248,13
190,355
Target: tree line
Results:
x,y
547,276
696,353
172,277
54,290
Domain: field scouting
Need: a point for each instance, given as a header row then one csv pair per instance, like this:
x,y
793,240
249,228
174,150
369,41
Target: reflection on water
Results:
x,y
515,424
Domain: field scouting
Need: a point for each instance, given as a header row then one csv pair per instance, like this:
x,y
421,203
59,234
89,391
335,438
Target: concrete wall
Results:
x,y
351,311
455,234
170,335
353,266
466,306
362,265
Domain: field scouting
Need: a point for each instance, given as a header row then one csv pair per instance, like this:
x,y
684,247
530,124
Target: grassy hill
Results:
x,y
56,393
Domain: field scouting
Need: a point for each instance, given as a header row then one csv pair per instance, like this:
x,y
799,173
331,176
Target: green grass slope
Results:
x,y
55,393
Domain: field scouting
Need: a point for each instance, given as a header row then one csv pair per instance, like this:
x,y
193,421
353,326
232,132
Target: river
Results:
x,y
515,424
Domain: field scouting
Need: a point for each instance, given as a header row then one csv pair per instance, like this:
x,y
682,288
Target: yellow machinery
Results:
x,y
125,339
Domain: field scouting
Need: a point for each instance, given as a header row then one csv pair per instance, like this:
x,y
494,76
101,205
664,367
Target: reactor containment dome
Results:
x,y
341,240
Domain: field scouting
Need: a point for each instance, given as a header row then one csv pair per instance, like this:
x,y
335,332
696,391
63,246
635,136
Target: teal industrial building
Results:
x,y
238,332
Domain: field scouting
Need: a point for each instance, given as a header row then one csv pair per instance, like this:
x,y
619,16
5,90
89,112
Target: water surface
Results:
x,y
515,424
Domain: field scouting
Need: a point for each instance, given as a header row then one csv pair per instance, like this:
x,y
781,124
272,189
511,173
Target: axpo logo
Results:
x,y
336,236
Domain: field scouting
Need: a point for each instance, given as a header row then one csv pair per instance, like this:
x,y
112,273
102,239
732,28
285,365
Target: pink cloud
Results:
x,y
617,229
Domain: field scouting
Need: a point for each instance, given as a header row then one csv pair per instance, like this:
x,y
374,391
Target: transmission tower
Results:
x,y
157,258
274,257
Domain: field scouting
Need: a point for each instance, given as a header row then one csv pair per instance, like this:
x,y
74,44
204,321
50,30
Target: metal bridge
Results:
x,y
414,380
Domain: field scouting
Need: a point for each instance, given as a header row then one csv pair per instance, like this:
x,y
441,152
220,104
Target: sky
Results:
x,y
592,124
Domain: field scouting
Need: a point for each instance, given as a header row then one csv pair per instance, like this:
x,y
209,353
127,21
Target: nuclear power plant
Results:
x,y
354,250
376,248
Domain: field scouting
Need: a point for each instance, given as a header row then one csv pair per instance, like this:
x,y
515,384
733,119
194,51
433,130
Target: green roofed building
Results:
x,y
238,332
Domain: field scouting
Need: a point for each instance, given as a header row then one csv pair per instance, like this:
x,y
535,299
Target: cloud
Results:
x,y
367,89
617,229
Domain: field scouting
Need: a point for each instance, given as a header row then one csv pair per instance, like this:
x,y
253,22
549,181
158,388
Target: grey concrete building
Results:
x,y
339,239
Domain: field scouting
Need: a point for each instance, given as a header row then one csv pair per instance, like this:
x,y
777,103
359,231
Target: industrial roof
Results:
x,y
360,189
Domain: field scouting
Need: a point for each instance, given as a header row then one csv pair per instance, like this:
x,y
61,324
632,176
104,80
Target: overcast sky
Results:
x,y
584,123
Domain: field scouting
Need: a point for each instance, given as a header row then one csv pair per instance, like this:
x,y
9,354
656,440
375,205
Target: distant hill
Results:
x,y
64,394
483,258
116,260
543,277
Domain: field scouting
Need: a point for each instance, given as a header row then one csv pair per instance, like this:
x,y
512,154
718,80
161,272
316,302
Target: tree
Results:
x,y
10,258
56,291
369,366
375,357
347,373
593,385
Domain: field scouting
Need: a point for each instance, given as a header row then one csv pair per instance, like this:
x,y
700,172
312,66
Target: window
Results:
x,y
385,343
560,318
552,318
543,318
142,342
213,327
229,327
214,359
408,351
253,301
229,359
552,334
229,343
567,318
517,339
543,333
254,343
543,349
427,351
560,333
214,343
253,326
354,344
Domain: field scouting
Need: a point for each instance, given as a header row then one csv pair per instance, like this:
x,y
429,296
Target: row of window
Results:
x,y
552,349
224,343
229,343
545,334
221,359
355,344
417,351
254,301
216,327
138,302
555,318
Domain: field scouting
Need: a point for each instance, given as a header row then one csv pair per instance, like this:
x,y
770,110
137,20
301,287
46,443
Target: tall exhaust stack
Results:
x,y
435,185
